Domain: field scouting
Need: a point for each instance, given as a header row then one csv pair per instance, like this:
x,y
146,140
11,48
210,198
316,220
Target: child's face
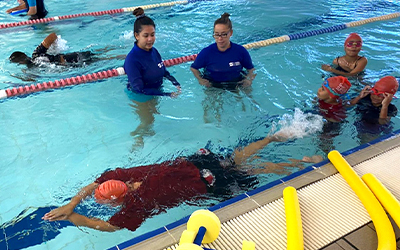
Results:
x,y
377,99
353,47
323,94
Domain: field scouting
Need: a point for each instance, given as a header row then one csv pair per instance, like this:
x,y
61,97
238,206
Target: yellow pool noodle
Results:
x,y
293,219
384,229
385,197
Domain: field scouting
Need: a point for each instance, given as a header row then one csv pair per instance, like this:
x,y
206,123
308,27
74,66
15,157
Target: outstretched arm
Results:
x,y
22,6
95,223
63,213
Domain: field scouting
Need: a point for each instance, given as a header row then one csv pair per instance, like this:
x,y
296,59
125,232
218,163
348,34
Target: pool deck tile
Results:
x,y
364,238
344,245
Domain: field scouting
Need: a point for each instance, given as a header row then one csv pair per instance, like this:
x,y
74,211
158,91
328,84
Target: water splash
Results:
x,y
127,35
59,46
298,125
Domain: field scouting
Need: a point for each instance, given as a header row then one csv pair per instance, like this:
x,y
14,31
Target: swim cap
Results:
x,y
387,84
203,151
111,190
337,85
352,36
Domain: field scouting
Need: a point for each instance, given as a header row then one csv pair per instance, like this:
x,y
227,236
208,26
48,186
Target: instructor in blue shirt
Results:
x,y
143,65
36,9
223,61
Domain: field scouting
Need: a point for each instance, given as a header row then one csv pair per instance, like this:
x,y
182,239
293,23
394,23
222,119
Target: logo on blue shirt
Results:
x,y
160,65
232,64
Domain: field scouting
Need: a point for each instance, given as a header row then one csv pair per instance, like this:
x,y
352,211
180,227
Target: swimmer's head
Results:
x,y
336,86
111,191
387,84
20,57
141,20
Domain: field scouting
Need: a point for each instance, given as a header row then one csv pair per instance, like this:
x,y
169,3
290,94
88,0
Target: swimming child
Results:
x,y
329,98
40,55
374,103
351,64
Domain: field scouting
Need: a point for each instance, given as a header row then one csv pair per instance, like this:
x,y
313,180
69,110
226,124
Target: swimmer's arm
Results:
x,y
95,223
199,78
360,67
248,80
171,78
383,115
22,6
64,211
49,40
366,90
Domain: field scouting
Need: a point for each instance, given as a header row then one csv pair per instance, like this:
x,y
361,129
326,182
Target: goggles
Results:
x,y
331,92
378,93
351,44
223,35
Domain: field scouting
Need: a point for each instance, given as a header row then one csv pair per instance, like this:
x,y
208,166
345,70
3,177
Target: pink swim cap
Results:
x,y
353,36
111,190
387,84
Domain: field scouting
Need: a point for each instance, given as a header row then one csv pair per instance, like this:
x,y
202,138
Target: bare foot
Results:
x,y
313,159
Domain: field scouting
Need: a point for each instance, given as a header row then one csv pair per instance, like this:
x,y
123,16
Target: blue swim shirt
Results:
x,y
146,70
223,66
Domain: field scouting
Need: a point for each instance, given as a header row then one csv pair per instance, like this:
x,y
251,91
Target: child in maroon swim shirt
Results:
x,y
330,104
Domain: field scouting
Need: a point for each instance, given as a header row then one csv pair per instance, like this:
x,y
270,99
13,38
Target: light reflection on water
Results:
x,y
65,138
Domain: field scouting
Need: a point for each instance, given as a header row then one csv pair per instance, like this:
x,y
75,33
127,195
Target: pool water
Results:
x,y
55,142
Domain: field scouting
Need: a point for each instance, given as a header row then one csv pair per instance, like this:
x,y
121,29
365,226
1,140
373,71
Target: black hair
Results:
x,y
224,19
20,57
141,19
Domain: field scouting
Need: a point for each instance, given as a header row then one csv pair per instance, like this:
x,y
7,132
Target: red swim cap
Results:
x,y
353,36
111,190
387,84
337,85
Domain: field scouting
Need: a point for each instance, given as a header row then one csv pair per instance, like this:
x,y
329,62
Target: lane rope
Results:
x,y
175,61
96,13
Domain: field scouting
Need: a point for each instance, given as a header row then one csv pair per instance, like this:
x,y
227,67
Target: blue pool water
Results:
x,y
55,142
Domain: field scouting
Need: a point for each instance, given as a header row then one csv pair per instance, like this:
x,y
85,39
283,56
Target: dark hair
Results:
x,y
20,57
141,19
224,19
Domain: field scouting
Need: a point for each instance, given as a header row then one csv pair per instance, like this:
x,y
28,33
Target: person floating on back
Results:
x,y
329,98
351,64
36,8
374,103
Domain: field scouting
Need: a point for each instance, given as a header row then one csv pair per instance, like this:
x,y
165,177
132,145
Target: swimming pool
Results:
x,y
55,142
